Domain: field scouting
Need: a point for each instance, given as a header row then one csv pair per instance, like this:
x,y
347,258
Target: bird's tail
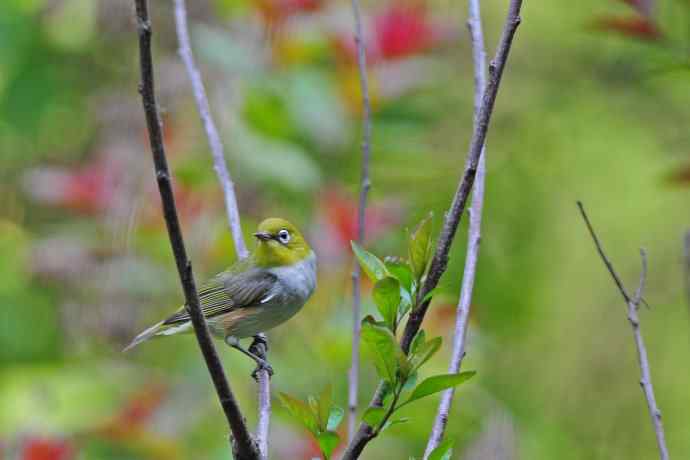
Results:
x,y
147,334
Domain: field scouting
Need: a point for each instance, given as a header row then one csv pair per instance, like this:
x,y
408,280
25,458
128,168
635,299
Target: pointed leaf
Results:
x,y
443,451
373,416
324,407
335,417
424,352
383,348
386,296
401,270
328,441
438,383
418,340
301,411
390,423
374,268
420,247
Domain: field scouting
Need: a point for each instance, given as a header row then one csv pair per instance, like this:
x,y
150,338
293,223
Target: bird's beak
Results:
x,y
263,236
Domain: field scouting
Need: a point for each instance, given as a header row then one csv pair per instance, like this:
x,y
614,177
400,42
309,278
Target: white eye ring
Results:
x,y
284,236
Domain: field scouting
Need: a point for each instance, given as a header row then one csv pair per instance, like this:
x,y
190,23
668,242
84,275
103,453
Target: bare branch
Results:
x,y
245,446
365,185
232,210
474,24
263,378
440,260
633,318
214,141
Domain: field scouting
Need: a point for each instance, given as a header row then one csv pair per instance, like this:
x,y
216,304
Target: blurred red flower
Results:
x,y
46,449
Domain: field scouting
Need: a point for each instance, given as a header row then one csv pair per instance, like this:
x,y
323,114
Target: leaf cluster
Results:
x,y
396,284
319,416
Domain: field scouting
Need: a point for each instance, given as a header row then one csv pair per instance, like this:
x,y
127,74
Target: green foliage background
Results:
x,y
581,114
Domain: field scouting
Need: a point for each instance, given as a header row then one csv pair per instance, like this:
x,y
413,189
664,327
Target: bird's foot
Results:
x,y
262,365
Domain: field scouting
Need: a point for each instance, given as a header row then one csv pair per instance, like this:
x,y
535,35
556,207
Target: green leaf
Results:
x,y
301,411
410,382
438,383
374,268
424,352
386,295
420,247
384,349
418,341
335,417
323,411
400,270
390,423
373,416
328,441
443,451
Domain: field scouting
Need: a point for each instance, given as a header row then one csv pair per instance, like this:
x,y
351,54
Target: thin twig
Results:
x,y
686,256
232,210
245,447
365,185
440,260
633,317
214,141
474,24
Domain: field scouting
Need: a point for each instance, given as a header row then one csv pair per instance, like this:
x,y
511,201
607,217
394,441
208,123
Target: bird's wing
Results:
x,y
230,291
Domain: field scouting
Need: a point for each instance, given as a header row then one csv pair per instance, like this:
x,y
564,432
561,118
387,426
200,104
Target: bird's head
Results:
x,y
279,243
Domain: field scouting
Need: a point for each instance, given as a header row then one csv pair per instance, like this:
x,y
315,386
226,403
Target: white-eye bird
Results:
x,y
255,294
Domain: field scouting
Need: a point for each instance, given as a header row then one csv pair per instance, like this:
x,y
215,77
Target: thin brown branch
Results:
x,y
263,377
440,260
365,185
474,24
245,447
633,317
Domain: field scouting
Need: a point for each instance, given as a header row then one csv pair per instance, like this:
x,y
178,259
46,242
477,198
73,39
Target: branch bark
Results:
x,y
633,317
259,345
365,185
474,24
439,262
245,447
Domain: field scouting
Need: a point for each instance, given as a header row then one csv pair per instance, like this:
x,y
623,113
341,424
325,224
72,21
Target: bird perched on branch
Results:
x,y
255,294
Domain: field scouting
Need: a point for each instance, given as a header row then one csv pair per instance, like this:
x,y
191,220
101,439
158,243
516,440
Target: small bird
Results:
x,y
255,294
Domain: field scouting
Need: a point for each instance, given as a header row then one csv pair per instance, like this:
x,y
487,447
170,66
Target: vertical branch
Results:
x,y
244,444
474,24
686,263
231,207
365,184
633,317
439,262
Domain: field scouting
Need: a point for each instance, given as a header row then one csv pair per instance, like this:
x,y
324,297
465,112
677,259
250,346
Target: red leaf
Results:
x,y
639,27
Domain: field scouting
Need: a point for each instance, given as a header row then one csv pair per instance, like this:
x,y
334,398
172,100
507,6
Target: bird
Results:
x,y
255,294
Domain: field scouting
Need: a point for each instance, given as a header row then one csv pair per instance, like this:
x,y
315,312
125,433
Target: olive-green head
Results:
x,y
279,243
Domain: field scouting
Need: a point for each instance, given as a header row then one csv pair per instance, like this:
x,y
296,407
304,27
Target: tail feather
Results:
x,y
147,334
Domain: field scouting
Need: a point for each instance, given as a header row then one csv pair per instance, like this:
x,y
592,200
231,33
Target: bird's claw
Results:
x,y
262,366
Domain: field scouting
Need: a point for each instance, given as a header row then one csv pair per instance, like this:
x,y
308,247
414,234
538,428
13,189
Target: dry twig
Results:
x,y
474,24
244,446
633,317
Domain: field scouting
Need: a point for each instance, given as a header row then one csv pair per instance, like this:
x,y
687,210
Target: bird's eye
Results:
x,y
284,236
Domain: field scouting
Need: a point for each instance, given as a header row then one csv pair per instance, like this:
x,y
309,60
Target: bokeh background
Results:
x,y
594,106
